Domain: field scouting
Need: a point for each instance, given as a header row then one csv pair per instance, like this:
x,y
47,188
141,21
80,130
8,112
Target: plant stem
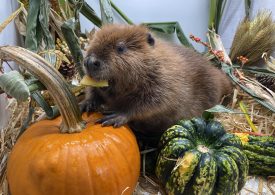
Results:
x,y
52,80
121,14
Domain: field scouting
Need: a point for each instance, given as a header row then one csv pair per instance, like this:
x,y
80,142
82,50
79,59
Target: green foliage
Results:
x,y
215,13
73,44
14,85
90,14
170,28
38,28
106,12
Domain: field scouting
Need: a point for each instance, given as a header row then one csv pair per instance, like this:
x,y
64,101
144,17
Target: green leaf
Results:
x,y
247,8
32,25
14,85
209,113
258,70
215,13
38,28
248,119
170,28
51,112
107,16
90,14
73,44
221,109
43,19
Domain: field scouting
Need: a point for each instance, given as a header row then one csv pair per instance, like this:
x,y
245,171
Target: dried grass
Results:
x,y
253,38
8,135
262,118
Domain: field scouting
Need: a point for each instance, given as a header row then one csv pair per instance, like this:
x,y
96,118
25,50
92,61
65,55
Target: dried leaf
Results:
x,y
56,22
11,17
65,9
21,21
216,44
14,85
242,83
60,57
269,62
261,93
90,34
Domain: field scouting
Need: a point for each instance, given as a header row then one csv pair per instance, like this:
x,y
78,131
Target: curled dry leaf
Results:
x,y
21,21
262,92
88,81
270,61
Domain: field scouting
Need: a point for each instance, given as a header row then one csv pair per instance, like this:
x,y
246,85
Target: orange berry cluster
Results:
x,y
198,40
242,59
218,53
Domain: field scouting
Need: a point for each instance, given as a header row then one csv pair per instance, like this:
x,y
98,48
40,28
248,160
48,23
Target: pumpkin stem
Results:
x,y
52,80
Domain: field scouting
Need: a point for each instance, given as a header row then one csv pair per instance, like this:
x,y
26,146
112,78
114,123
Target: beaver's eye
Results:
x,y
121,48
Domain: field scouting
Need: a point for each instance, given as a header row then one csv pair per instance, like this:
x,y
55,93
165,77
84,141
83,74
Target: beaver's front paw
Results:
x,y
116,120
88,106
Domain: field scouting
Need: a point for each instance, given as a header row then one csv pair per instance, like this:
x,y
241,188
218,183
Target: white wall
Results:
x,y
8,36
191,14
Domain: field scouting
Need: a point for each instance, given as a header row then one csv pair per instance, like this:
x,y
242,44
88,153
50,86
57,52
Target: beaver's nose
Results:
x,y
91,62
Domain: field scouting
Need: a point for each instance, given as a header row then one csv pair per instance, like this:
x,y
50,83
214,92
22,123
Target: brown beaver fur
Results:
x,y
152,83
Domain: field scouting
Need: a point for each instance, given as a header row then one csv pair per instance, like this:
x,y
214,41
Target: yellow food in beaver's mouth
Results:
x,y
89,81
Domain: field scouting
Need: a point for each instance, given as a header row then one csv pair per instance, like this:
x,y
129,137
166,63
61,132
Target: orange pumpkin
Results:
x,y
63,156
99,160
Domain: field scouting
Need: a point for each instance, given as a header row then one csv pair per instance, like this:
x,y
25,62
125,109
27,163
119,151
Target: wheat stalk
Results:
x,y
253,38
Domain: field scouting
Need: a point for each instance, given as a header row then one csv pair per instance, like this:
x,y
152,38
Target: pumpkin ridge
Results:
x,y
66,178
85,151
130,171
117,178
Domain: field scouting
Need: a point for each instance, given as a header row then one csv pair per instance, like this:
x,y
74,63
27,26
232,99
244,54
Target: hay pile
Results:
x,y
262,118
9,134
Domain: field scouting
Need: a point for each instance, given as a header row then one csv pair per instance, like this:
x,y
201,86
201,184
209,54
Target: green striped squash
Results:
x,y
260,151
199,157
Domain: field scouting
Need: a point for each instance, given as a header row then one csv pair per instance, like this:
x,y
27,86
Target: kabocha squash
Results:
x,y
199,157
260,150
83,160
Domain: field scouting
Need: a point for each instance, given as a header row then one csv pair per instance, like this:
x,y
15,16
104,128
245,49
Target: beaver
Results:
x,y
152,83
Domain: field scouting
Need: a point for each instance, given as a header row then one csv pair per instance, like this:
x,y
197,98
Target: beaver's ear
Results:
x,y
150,39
